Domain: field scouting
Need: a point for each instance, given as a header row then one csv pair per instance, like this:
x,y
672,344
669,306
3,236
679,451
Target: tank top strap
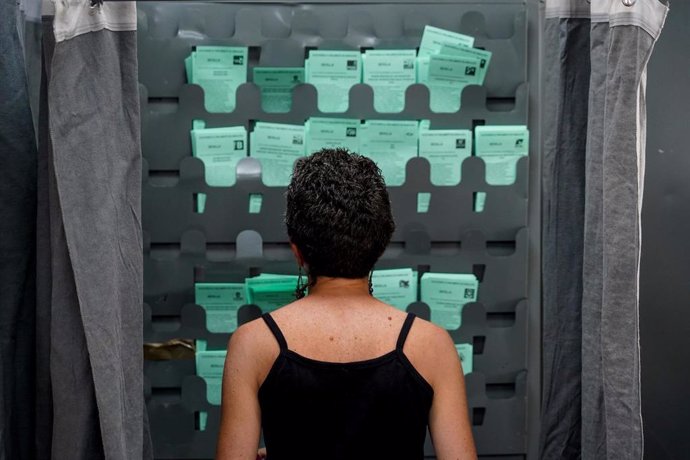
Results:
x,y
407,325
280,338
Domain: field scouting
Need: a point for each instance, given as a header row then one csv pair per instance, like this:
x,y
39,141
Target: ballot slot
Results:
x,y
478,414
501,217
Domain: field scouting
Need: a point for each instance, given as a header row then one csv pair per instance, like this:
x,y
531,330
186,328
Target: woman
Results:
x,y
338,374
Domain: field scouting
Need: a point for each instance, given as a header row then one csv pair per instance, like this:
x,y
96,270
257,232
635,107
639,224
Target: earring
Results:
x,y
371,285
301,289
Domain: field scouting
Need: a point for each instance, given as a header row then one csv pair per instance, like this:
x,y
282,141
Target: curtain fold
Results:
x,y
71,352
93,172
18,159
595,57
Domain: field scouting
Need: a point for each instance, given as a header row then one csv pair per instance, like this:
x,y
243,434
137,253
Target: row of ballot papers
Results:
x,y
389,143
444,293
446,63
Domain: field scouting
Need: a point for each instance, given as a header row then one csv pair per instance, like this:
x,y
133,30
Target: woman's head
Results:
x,y
338,213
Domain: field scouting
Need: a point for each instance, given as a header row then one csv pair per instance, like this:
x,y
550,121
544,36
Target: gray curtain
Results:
x,y
71,246
595,58
17,245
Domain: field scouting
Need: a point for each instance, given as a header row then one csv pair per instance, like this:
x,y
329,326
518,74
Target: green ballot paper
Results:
x,y
333,73
221,302
209,366
220,149
276,146
465,351
219,70
479,201
389,73
446,76
446,294
276,84
255,202
501,147
397,287
434,38
445,149
390,144
483,56
423,202
270,292
332,133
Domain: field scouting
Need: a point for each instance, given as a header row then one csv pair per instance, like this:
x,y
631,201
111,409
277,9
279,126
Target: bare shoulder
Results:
x,y
430,349
253,348
249,335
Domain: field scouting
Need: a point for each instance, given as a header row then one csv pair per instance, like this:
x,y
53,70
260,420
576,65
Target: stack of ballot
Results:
x,y
389,73
390,144
277,147
445,149
333,73
465,351
221,302
446,63
397,287
332,133
220,149
276,85
500,147
446,294
270,292
209,366
219,70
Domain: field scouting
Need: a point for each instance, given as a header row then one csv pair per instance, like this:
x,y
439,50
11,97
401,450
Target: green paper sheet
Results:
x,y
221,302
434,38
333,73
276,146
445,149
209,366
220,149
219,70
396,287
389,73
501,147
276,84
446,76
270,292
479,201
390,144
483,56
465,351
255,202
332,133
423,202
446,294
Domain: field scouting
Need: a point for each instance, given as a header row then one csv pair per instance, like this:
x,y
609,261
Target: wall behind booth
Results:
x,y
228,243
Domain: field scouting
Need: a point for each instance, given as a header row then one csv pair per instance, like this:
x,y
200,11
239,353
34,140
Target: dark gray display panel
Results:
x,y
226,243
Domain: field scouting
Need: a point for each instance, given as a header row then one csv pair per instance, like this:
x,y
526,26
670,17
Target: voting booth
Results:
x,y
204,240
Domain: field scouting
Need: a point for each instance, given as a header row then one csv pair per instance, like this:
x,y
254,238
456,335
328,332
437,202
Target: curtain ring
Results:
x,y
628,2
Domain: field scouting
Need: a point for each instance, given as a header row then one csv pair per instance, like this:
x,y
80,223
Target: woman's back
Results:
x,y
323,376
365,409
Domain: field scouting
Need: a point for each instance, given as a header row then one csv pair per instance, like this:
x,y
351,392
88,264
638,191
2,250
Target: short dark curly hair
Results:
x,y
338,213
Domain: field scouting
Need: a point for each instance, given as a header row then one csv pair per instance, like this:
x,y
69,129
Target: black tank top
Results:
x,y
373,409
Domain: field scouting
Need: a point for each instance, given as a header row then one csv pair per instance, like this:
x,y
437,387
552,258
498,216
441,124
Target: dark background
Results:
x,y
665,271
